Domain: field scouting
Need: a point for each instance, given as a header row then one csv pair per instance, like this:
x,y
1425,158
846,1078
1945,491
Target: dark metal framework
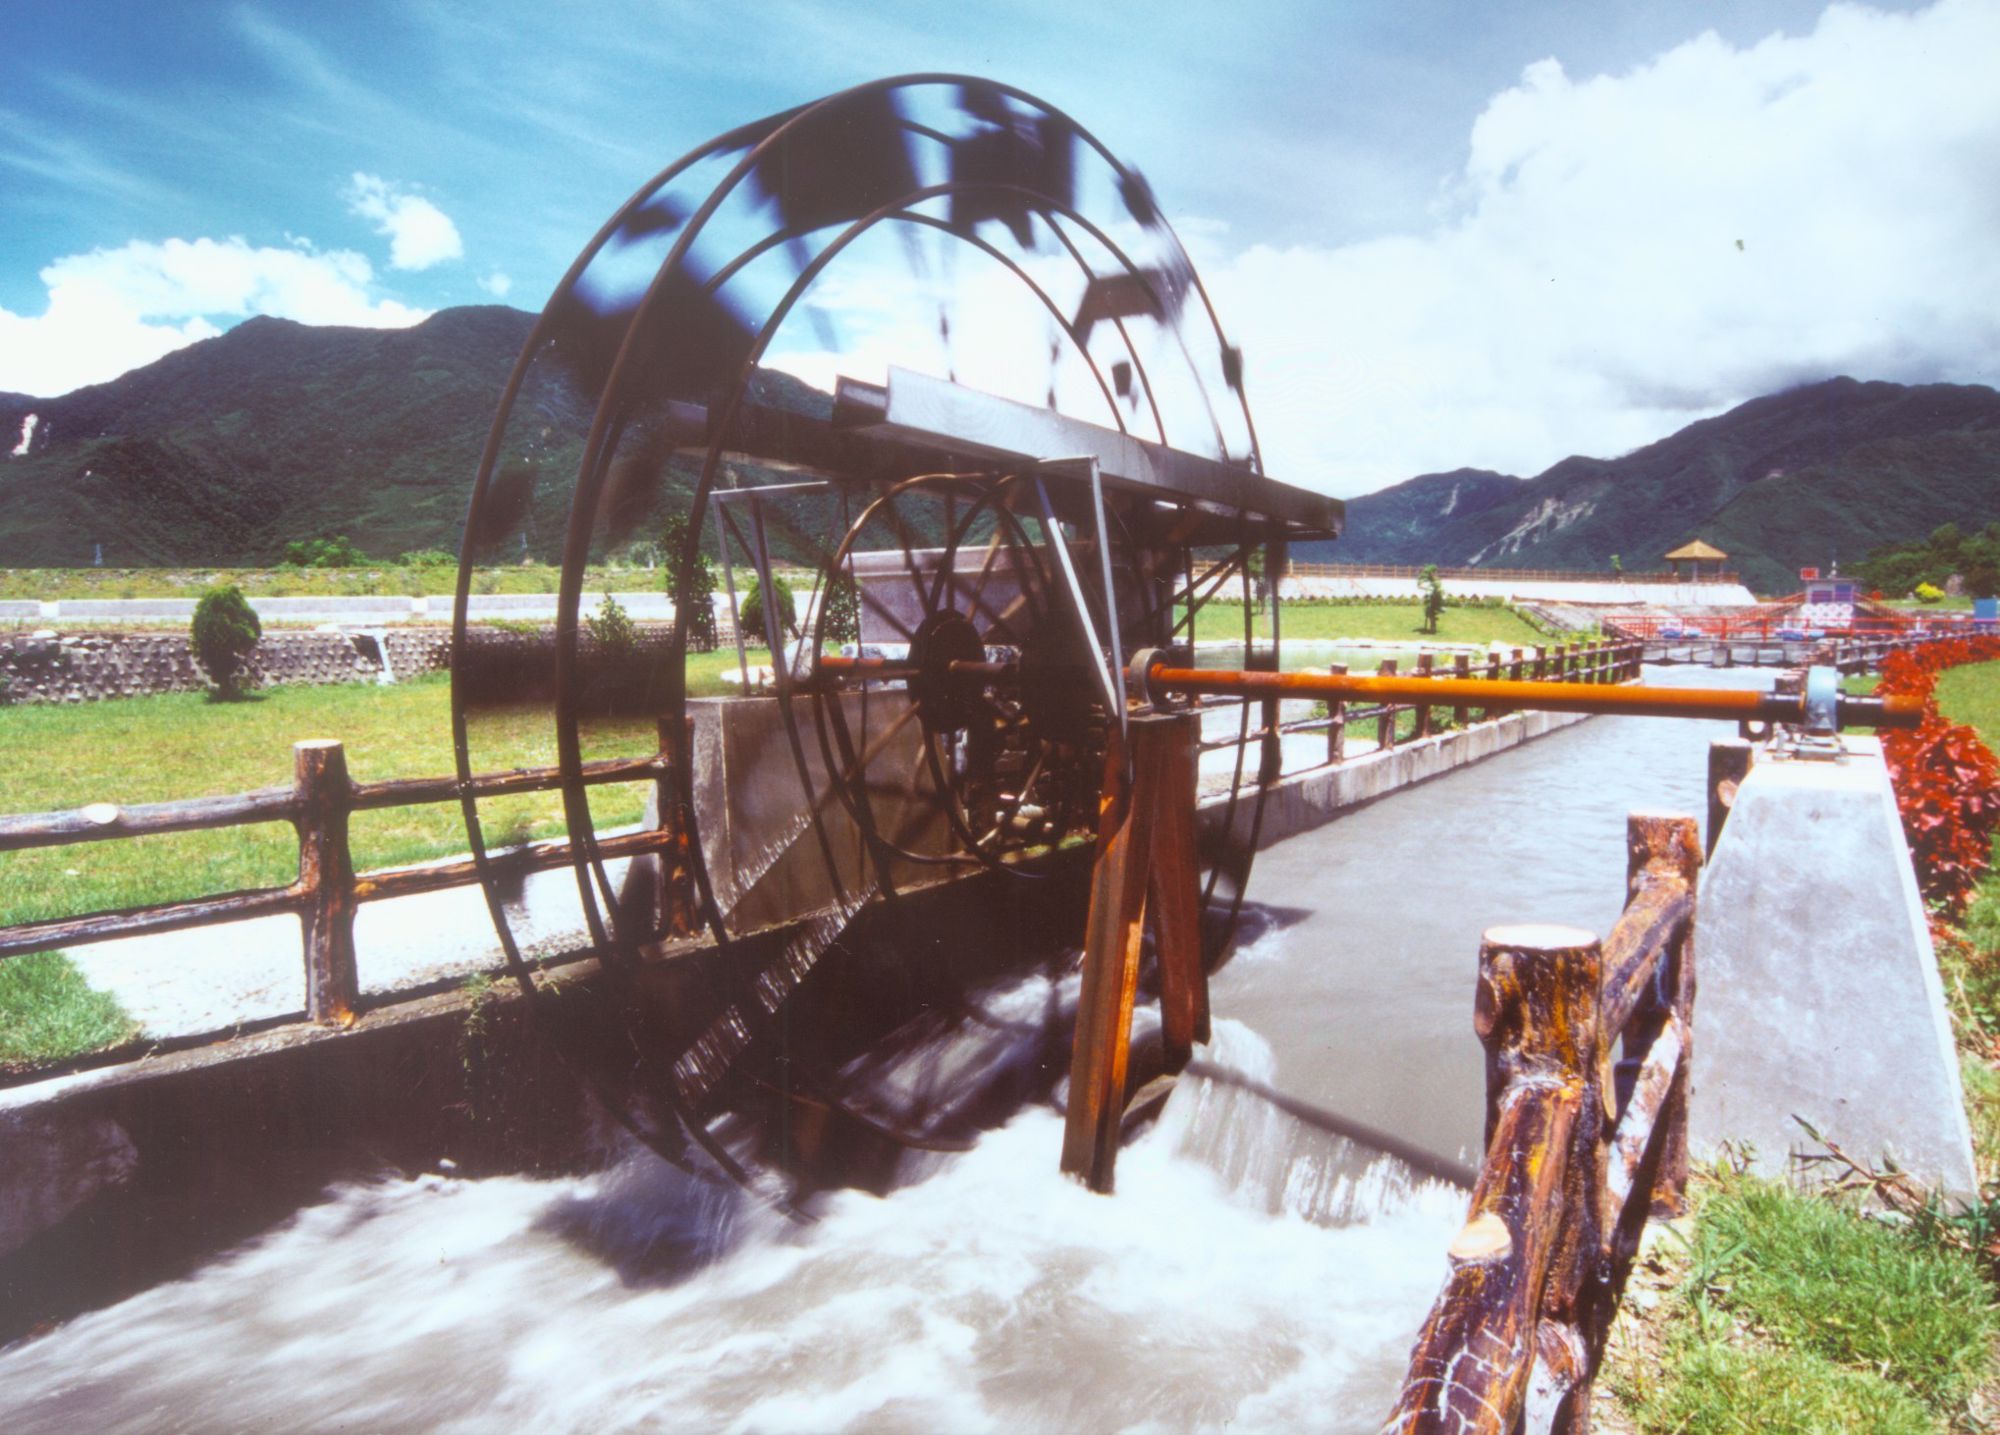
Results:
x,y
665,329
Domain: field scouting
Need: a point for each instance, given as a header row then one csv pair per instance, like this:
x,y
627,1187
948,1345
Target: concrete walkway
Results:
x,y
212,979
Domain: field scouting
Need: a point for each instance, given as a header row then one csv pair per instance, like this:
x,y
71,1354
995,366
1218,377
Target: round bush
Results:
x,y
223,635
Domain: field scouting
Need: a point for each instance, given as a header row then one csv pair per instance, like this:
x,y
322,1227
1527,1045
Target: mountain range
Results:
x,y
1811,476
220,453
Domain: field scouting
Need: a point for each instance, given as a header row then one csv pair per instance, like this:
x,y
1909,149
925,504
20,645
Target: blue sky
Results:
x,y
1446,232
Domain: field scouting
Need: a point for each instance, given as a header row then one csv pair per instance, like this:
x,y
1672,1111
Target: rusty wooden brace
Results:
x,y
1145,851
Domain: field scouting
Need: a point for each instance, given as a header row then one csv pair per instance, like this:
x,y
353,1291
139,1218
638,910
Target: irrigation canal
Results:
x,y
1254,1271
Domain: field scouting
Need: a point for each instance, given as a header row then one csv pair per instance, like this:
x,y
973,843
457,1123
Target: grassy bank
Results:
x,y
1382,622
179,745
1793,1312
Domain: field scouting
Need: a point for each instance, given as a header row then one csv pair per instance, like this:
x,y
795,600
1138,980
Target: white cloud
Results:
x,y
419,233
115,309
497,284
1623,254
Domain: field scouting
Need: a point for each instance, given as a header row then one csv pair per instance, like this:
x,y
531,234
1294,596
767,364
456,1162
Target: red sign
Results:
x,y
1806,575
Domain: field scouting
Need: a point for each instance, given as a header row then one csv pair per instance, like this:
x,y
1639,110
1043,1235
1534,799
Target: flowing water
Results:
x,y
1255,1270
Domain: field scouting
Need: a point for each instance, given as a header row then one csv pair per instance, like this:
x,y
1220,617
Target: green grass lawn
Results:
x,y
177,745
1971,695
1801,1313
1385,622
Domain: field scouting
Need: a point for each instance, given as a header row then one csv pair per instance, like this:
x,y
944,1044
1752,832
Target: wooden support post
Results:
x,y
1728,764
1144,842
1385,725
1461,667
326,880
1541,661
676,892
1426,666
1560,662
1514,667
1174,889
1336,729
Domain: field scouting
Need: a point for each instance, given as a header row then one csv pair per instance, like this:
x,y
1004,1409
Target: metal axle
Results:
x,y
1163,684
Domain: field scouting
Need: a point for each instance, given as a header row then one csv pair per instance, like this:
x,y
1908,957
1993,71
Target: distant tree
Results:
x,y
223,635
691,584
1617,566
611,627
322,553
1982,580
843,611
1929,593
428,558
751,615
1432,588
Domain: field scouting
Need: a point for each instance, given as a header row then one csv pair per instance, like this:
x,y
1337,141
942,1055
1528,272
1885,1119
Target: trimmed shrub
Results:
x,y
751,614
223,635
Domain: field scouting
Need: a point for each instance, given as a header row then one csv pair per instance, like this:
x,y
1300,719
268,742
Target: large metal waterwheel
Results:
x,y
928,340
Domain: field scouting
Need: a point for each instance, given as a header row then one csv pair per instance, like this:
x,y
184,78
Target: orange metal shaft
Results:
x,y
1727,704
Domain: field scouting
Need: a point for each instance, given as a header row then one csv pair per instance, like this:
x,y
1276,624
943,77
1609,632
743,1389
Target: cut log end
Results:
x,y
1483,1238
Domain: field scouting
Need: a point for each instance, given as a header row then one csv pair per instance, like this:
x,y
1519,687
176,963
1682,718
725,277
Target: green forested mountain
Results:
x,y
1810,476
224,451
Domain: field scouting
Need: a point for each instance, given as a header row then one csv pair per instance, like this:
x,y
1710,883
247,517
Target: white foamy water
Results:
x,y
991,1295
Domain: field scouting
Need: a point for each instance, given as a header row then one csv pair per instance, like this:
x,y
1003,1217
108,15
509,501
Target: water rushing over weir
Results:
x,y
1253,1272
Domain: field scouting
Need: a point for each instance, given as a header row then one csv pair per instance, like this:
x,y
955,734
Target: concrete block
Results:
x,y
1819,989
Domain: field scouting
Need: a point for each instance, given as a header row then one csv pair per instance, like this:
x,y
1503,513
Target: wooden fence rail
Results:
x,y
1580,1152
328,891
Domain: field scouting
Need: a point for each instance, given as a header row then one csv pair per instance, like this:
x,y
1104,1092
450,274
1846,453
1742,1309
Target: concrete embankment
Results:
x,y
1820,996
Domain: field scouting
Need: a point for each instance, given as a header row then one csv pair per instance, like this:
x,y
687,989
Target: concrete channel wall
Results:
x,y
1820,998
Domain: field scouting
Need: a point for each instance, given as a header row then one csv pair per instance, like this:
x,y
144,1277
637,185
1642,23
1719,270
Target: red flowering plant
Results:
x,y
1947,780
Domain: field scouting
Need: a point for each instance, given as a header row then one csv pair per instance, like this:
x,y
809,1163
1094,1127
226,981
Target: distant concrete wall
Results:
x,y
1819,990
1305,800
1665,595
651,605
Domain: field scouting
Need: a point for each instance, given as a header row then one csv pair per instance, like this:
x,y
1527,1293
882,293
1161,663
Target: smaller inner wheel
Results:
x,y
948,699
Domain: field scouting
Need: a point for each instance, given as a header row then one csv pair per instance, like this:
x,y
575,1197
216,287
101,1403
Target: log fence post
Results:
x,y
1426,667
1385,724
1461,667
1541,669
326,880
1665,847
1537,1014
